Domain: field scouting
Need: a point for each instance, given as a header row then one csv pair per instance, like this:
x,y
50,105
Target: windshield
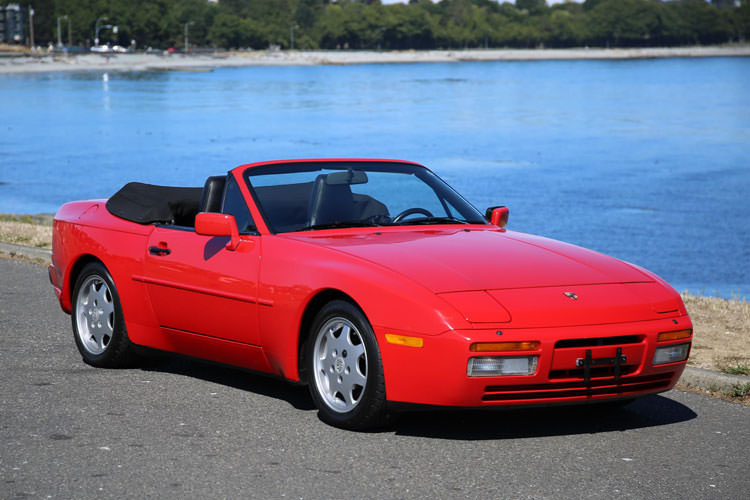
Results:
x,y
310,196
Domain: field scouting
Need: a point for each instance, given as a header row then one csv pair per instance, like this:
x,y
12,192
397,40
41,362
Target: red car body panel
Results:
x,y
452,286
452,259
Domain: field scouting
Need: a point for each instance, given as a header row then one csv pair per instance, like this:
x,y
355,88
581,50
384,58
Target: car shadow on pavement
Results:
x,y
229,376
470,424
648,411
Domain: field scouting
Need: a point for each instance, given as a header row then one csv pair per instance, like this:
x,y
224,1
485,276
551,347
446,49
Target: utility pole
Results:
x,y
291,36
96,29
186,35
31,26
59,34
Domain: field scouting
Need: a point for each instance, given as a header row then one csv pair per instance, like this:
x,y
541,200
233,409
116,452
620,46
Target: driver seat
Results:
x,y
330,203
213,192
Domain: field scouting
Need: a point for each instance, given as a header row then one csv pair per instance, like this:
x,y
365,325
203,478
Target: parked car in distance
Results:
x,y
371,281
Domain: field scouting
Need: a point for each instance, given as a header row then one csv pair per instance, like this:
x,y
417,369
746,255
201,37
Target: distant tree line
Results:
x,y
420,24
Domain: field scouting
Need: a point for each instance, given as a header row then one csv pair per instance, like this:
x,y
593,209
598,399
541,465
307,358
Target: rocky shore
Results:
x,y
43,62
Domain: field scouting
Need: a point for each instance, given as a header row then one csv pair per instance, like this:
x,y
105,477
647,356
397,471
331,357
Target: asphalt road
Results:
x,y
183,428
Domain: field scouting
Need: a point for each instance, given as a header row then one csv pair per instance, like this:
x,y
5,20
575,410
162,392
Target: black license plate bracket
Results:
x,y
589,362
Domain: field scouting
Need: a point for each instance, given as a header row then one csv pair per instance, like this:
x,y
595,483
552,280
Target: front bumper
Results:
x,y
435,374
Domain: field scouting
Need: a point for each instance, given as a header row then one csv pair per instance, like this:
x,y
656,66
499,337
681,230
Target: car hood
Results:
x,y
450,260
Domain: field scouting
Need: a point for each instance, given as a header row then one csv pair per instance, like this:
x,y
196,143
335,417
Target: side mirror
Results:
x,y
497,215
215,224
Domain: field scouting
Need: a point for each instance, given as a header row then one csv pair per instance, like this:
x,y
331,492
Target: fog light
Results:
x,y
671,354
491,366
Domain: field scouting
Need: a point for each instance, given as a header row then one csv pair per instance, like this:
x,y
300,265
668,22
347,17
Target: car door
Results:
x,y
198,286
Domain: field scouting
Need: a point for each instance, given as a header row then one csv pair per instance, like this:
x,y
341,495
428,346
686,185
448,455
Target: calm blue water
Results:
x,y
648,161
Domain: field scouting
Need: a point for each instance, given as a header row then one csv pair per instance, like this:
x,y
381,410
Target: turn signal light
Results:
x,y
676,335
404,340
504,346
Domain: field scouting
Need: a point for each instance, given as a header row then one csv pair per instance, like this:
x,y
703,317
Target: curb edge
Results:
x,y
13,250
711,380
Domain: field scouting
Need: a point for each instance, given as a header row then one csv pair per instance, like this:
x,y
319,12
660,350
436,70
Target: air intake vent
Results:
x,y
579,390
602,371
671,311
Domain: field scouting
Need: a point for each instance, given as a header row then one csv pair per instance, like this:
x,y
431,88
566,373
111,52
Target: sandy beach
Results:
x,y
177,62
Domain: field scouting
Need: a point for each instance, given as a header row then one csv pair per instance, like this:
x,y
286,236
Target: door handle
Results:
x,y
159,251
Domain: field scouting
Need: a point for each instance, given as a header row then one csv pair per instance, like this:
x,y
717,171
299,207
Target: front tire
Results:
x,y
98,324
345,371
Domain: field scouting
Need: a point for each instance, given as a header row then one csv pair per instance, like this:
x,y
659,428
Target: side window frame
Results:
x,y
233,189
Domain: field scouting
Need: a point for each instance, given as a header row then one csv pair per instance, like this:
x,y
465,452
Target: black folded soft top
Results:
x,y
151,204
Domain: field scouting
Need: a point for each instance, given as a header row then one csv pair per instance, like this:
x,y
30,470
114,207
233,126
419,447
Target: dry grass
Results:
x,y
740,393
30,230
721,331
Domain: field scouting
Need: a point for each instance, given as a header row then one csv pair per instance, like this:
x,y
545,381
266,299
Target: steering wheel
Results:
x,y
411,211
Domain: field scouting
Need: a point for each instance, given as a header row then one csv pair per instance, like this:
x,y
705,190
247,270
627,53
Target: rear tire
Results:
x,y
98,324
344,368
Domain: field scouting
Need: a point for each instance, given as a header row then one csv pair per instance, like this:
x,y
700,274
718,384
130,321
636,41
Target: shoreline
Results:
x,y
207,62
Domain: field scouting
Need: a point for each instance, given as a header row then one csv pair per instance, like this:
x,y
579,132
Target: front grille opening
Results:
x,y
596,372
659,377
576,393
573,389
601,341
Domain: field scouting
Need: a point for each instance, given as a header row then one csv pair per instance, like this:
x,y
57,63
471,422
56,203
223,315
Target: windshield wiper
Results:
x,y
335,225
435,220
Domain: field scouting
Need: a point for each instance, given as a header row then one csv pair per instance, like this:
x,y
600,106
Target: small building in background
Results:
x,y
12,24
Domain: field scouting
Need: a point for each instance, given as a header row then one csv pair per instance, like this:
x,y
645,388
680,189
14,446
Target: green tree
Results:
x,y
532,6
368,24
624,22
742,22
232,31
706,23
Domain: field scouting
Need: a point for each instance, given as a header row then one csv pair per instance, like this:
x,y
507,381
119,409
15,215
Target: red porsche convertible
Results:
x,y
372,281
